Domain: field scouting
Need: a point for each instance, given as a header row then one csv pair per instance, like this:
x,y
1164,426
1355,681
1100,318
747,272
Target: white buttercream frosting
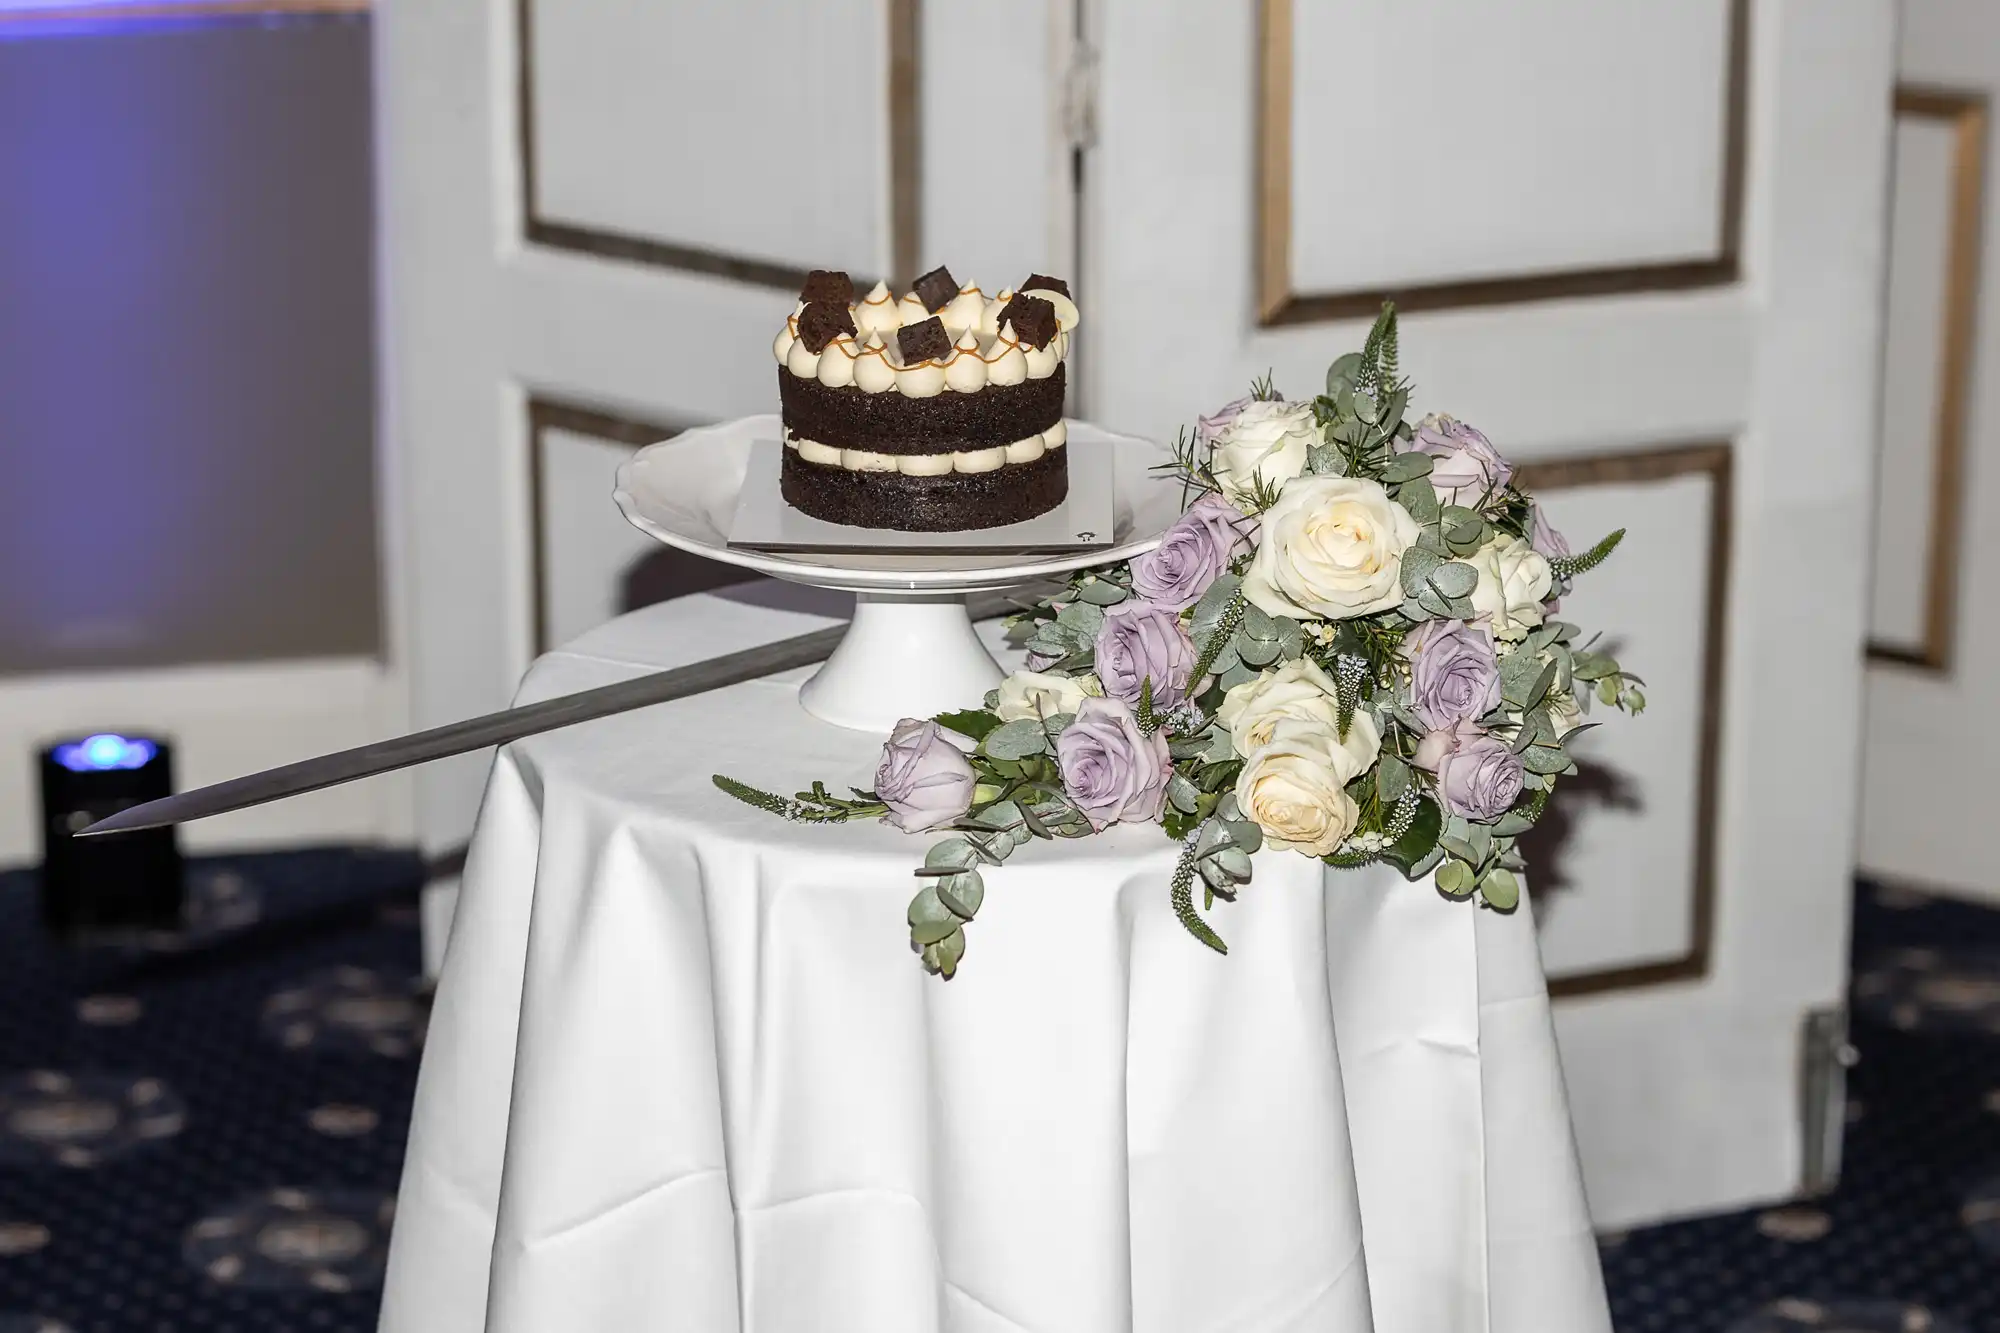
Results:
x,y
963,311
920,379
980,460
781,346
965,372
1005,363
1056,436
836,363
921,465
801,361
924,465
910,310
872,371
1042,361
989,318
876,312
1026,451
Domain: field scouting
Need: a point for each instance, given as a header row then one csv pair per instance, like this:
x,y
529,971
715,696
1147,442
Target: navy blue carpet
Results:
x,y
202,1131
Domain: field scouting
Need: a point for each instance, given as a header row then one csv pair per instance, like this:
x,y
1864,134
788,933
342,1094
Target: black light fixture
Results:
x,y
122,882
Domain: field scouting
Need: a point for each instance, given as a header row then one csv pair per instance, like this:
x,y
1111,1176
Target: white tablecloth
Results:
x,y
683,1072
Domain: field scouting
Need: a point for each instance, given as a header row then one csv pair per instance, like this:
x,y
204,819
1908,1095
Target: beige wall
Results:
x,y
186,359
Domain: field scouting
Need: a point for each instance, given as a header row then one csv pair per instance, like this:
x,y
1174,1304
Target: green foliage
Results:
x,y
1569,566
975,724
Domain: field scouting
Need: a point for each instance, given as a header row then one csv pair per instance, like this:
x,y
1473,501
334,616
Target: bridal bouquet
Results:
x,y
1346,648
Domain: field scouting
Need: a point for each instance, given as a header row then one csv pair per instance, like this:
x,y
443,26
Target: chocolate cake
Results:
x,y
941,411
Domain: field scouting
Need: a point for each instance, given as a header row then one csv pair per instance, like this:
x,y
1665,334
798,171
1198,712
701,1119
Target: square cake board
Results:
x,y
764,522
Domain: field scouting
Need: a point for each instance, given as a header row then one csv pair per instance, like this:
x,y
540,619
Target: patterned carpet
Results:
x,y
201,1133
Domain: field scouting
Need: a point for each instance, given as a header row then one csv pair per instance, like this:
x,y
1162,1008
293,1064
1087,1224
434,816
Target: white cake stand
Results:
x,y
910,650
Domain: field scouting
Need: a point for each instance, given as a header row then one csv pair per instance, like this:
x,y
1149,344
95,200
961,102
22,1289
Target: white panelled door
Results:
x,y
596,212
1934,633
1641,247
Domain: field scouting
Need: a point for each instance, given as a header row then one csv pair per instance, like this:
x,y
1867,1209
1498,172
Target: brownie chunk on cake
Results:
x,y
941,411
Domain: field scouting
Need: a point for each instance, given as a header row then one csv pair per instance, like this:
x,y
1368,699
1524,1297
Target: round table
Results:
x,y
684,1073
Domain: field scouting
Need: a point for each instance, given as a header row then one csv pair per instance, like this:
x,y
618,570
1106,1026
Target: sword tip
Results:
x,y
125,821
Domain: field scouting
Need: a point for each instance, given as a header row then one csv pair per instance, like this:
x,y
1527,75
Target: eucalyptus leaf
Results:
x,y
1544,759
1481,838
1433,602
1501,890
1258,623
1237,675
1366,408
1413,611
1221,747
930,920
1291,639
1231,861
1016,740
1341,374
1460,608
1245,834
1540,690
1420,499
951,854
1407,467
1323,460
1082,620
1454,579
962,893
1209,610
1393,408
1182,794
1392,778
1102,592
1455,878
943,956
1419,563
1257,652
1459,847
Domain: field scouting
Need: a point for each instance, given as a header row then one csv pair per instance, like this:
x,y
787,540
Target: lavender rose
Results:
x,y
1478,776
923,778
1207,429
1468,467
1141,642
1195,551
1454,675
1111,769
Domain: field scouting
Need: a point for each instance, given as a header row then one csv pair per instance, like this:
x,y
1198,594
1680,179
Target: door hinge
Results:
x,y
1079,96
1825,1059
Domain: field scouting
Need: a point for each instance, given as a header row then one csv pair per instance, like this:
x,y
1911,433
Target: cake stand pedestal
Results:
x,y
905,655
911,650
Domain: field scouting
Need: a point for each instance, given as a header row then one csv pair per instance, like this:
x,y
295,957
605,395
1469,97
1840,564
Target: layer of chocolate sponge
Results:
x,y
954,502
948,422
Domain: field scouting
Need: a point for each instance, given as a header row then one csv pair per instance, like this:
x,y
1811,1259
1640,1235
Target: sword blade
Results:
x,y
513,724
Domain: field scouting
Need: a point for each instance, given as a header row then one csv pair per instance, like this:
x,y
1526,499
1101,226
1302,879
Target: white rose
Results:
x,y
1331,547
1294,788
1267,441
1297,691
1038,694
1513,583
